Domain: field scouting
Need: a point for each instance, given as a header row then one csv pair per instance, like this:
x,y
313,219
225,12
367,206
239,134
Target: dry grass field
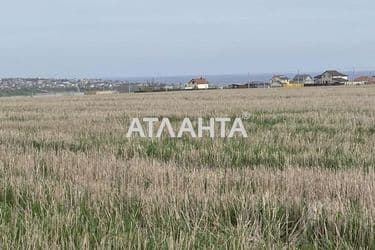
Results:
x,y
304,178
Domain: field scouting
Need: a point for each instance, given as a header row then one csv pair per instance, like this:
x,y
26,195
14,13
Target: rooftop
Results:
x,y
198,81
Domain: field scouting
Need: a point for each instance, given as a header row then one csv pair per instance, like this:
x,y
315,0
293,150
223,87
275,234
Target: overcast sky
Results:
x,y
120,38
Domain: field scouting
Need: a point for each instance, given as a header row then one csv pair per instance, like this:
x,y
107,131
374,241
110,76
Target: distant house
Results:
x,y
197,83
304,78
331,77
279,81
365,80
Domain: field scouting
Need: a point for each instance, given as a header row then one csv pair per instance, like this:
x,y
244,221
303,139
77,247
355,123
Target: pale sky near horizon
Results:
x,y
114,38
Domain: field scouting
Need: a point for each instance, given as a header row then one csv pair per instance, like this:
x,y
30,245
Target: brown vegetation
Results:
x,y
303,178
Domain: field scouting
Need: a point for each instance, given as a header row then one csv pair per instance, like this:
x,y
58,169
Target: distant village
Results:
x,y
39,86
327,78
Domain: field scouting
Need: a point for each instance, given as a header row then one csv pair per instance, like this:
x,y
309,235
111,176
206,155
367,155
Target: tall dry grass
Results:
x,y
303,179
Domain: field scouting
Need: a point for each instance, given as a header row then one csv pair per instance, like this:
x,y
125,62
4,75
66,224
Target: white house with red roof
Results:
x,y
197,83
